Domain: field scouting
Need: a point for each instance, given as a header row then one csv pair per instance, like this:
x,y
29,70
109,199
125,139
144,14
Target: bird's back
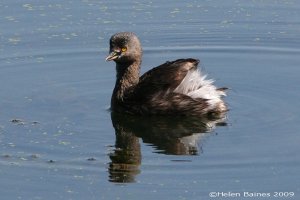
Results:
x,y
175,87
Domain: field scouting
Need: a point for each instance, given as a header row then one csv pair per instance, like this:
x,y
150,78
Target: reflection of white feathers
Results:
x,y
195,141
196,85
191,142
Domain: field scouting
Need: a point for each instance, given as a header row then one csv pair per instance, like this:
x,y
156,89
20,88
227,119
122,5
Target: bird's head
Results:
x,y
125,47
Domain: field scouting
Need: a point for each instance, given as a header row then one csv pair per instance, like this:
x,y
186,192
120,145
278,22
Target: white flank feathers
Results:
x,y
196,85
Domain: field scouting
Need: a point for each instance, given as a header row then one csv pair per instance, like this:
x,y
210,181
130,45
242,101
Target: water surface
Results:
x,y
58,139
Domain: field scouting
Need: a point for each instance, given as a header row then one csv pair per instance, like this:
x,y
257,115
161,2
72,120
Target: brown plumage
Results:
x,y
173,88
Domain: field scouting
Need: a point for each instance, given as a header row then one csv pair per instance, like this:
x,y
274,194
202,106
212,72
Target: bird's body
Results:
x,y
173,88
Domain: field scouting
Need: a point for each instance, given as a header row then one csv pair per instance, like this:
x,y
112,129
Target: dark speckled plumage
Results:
x,y
155,92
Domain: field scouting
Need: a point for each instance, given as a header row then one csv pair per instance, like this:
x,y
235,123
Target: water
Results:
x,y
59,141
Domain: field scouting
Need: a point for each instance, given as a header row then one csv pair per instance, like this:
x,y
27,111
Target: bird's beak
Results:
x,y
112,56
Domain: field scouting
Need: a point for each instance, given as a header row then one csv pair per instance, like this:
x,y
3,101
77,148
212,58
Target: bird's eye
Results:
x,y
124,49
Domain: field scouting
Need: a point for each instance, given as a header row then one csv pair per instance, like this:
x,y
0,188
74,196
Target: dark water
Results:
x,y
59,141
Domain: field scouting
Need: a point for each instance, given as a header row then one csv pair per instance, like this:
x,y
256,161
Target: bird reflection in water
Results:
x,y
168,135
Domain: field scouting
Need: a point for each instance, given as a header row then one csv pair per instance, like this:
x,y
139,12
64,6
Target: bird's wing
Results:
x,y
165,77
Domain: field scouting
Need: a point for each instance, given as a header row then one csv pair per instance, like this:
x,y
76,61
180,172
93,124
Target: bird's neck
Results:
x,y
127,77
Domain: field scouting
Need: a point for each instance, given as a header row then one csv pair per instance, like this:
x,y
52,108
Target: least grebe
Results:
x,y
173,88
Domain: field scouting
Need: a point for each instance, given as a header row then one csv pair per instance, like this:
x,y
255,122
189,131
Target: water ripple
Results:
x,y
226,49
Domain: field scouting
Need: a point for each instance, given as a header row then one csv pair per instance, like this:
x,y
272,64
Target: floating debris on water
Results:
x,y
34,156
23,122
51,161
17,121
91,159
